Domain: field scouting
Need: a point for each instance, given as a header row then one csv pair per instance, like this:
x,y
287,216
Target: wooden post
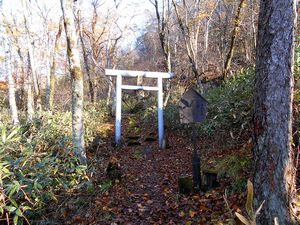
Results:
x,y
196,161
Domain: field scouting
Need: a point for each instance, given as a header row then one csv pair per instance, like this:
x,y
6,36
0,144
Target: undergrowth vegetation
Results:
x,y
230,106
229,119
37,162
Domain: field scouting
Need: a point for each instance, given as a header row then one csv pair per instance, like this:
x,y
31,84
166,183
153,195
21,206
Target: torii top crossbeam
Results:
x,y
159,88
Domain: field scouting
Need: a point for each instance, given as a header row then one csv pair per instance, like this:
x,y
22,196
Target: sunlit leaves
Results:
x,y
36,161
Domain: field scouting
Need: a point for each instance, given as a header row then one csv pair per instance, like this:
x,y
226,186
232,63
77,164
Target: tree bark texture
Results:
x,y
30,46
12,96
15,43
53,68
30,97
163,32
237,22
30,102
274,175
48,62
86,61
77,80
190,43
164,37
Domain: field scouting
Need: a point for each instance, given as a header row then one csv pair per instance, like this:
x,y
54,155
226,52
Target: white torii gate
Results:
x,y
159,88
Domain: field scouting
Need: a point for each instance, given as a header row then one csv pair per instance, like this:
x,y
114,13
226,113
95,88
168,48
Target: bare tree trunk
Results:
x,y
190,45
85,59
34,78
16,45
30,46
164,33
12,95
22,97
237,22
169,82
87,69
30,102
207,26
168,87
77,80
23,78
30,97
253,25
48,72
53,68
274,175
109,93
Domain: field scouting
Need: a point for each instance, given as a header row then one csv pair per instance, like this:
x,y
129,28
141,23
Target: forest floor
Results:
x,y
148,192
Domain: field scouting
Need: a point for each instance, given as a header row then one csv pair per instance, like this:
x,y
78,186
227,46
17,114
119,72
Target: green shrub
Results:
x,y
234,167
37,162
172,116
30,178
230,106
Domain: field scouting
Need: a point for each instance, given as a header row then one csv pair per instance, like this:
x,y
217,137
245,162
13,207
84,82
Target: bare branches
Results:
x,y
191,50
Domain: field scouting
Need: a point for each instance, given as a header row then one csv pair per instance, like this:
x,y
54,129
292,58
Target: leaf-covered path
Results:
x,y
148,191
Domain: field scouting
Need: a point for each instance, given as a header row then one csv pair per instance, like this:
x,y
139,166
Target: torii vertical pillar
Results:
x,y
118,110
160,112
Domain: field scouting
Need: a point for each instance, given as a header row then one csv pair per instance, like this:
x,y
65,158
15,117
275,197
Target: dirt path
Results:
x,y
148,191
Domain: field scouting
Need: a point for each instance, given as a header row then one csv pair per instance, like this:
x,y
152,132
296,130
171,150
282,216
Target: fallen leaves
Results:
x,y
192,213
141,208
148,194
181,214
203,208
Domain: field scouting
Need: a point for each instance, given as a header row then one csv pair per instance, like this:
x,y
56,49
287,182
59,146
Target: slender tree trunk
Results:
x,y
87,67
30,46
237,22
48,63
77,80
253,24
190,45
30,96
48,90
22,97
10,79
30,102
85,58
95,85
274,175
164,33
207,26
169,82
23,79
109,93
16,45
12,96
34,78
111,90
53,68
